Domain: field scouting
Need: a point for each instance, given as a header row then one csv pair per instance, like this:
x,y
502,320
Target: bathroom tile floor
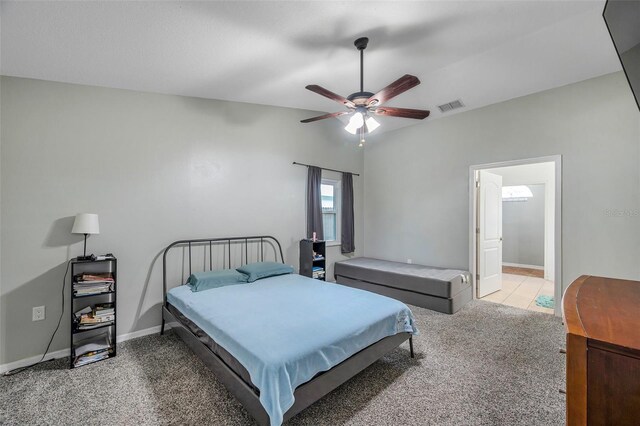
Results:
x,y
521,291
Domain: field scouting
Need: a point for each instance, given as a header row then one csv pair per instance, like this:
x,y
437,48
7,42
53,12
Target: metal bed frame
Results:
x,y
305,394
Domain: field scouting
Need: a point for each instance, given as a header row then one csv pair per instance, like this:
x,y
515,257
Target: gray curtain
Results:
x,y
314,203
347,240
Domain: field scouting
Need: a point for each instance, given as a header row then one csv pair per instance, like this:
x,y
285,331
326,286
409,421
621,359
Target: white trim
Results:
x,y
521,265
32,360
557,159
65,352
140,333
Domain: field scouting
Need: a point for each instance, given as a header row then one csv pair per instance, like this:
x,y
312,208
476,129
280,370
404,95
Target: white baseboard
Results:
x,y
140,333
521,265
32,360
65,352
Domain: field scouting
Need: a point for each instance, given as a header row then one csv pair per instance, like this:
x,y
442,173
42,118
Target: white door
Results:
x,y
489,232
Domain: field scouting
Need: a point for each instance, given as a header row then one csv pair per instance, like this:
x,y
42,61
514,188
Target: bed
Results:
x,y
283,342
439,289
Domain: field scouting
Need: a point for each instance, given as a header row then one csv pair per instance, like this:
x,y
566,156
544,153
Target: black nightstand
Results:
x,y
313,259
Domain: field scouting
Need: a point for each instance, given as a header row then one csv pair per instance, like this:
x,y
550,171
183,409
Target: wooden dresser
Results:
x,y
602,321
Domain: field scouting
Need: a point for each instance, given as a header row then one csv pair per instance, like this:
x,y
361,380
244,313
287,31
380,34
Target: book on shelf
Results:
x,y
92,344
90,283
85,310
85,327
94,277
317,268
95,319
91,325
90,357
81,286
92,317
103,309
85,283
81,289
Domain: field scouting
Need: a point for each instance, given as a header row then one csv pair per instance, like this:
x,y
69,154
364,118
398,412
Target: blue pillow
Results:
x,y
213,279
258,270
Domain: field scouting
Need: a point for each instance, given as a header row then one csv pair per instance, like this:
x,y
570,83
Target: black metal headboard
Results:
x,y
258,241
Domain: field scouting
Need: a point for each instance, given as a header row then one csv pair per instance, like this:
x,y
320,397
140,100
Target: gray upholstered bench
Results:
x,y
439,289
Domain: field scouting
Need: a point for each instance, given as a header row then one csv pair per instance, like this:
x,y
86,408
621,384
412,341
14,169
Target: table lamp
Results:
x,y
85,223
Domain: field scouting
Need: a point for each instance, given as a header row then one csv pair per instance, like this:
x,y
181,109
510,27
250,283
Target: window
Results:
x,y
516,193
330,191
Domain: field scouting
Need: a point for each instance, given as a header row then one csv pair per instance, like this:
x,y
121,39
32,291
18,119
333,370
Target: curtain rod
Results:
x,y
324,168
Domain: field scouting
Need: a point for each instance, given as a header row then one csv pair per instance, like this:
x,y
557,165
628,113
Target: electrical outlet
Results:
x,y
37,313
409,261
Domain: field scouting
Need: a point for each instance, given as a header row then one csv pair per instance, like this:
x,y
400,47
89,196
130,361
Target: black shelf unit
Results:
x,y
78,302
313,254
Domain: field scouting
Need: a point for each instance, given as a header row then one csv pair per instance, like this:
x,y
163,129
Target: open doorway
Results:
x,y
515,233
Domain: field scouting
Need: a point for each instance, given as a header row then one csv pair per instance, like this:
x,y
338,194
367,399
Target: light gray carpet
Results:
x,y
486,365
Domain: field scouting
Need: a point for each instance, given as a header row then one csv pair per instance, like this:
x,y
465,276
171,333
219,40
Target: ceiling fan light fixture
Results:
x,y
372,124
355,122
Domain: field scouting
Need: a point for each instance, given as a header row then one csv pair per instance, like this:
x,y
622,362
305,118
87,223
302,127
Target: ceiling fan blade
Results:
x,y
399,86
418,114
322,117
329,94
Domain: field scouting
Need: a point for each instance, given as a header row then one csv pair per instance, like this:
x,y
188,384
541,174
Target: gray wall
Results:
x,y
156,168
523,229
416,179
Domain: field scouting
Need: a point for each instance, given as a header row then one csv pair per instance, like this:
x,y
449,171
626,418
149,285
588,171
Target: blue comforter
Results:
x,y
286,329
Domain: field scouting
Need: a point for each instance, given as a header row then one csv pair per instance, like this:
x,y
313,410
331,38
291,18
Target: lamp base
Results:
x,y
89,257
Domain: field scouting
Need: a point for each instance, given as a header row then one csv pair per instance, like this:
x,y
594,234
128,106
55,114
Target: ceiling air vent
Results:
x,y
451,105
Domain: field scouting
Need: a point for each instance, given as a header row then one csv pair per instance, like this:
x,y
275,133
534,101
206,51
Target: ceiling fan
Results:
x,y
363,105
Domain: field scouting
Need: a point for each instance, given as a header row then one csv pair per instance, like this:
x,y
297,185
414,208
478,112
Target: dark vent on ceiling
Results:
x,y
451,105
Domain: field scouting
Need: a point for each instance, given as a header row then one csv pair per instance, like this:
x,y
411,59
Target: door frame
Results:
x,y
557,232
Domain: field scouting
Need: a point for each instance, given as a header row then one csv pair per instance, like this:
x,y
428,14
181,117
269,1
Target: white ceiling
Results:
x,y
266,52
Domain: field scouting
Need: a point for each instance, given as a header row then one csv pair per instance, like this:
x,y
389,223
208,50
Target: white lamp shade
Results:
x,y
86,223
355,122
372,124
